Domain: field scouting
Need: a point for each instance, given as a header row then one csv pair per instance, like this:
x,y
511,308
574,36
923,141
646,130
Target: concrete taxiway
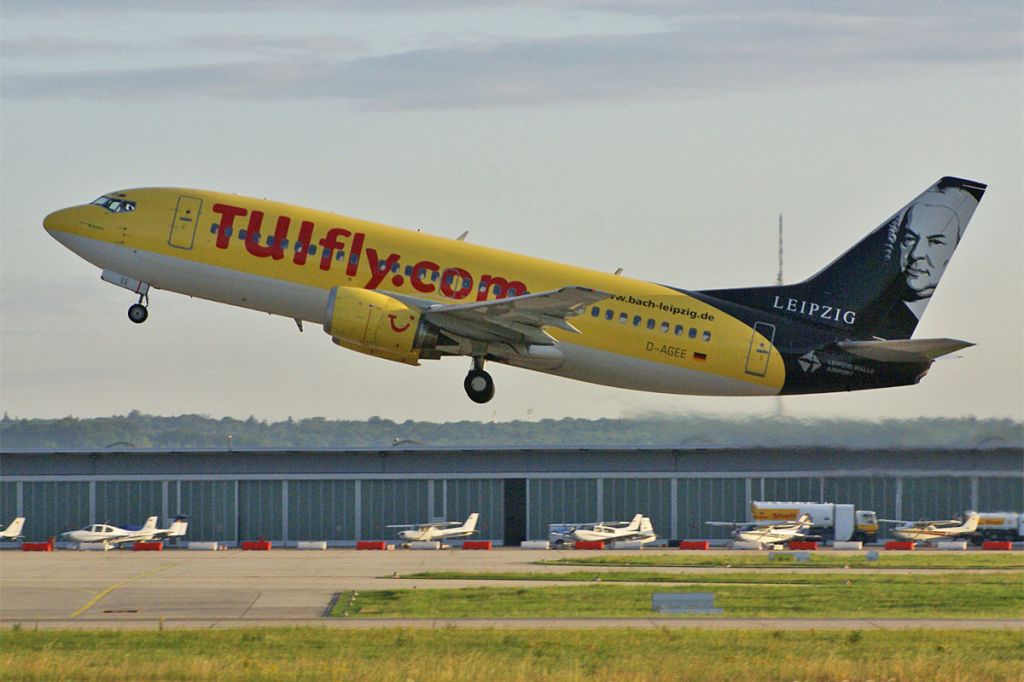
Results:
x,y
180,588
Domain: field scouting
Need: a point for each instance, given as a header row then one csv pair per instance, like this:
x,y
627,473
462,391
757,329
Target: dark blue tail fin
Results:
x,y
880,287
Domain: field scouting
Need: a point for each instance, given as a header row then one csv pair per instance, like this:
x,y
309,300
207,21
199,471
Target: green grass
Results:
x,y
683,559
741,595
458,654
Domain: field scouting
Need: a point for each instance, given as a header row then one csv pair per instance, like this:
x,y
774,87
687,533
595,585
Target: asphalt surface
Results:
x,y
179,588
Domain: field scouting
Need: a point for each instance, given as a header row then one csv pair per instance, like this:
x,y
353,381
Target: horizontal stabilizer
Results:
x,y
904,350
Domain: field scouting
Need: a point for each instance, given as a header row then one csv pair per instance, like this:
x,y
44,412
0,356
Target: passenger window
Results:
x,y
213,228
340,256
609,314
595,312
270,240
312,250
394,268
354,258
408,271
243,234
650,323
637,319
693,332
299,246
664,327
679,330
707,336
623,317
228,230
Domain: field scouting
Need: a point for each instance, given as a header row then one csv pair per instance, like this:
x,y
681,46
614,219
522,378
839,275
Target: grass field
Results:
x,y
684,559
741,595
456,655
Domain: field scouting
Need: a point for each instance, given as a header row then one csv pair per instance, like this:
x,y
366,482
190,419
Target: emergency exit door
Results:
x,y
185,221
760,349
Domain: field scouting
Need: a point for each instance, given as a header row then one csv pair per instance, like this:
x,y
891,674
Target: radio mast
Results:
x,y
780,410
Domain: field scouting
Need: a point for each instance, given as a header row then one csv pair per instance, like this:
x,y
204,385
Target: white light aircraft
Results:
x,y
13,531
925,531
109,535
768,533
639,529
437,530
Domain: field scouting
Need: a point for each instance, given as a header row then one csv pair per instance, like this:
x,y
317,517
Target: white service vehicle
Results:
x,y
640,529
837,522
999,526
13,531
437,530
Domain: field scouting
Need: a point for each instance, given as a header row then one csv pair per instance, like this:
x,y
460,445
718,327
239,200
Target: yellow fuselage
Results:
x,y
284,259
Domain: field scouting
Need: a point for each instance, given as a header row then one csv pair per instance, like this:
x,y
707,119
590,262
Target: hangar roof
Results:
x,y
506,462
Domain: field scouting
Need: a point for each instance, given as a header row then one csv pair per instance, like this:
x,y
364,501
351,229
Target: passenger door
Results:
x,y
185,221
760,349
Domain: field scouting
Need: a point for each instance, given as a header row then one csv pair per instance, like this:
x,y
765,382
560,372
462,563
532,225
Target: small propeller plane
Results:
x,y
437,530
768,533
639,529
109,535
925,531
13,531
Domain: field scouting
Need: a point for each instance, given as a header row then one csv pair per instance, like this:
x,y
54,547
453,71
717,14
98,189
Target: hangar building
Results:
x,y
347,495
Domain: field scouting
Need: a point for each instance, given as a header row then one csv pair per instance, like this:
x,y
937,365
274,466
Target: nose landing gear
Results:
x,y
478,384
138,312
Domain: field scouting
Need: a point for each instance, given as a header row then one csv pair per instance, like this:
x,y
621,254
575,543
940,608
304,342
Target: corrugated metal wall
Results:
x,y
53,507
344,510
321,510
1000,494
559,500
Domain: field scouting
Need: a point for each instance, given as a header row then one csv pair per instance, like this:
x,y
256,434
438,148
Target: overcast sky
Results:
x,y
661,137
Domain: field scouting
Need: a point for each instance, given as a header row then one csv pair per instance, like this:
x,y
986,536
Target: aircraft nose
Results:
x,y
64,220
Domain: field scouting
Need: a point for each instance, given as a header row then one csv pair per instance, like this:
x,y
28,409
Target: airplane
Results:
x,y
110,535
924,531
13,531
408,296
437,530
639,529
768,533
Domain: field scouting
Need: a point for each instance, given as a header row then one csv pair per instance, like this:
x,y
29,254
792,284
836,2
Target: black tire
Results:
x,y
479,386
138,313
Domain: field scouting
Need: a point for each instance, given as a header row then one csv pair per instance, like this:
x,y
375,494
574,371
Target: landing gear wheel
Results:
x,y
479,386
138,313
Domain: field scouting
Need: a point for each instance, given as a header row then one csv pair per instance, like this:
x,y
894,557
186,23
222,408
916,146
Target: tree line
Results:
x,y
138,431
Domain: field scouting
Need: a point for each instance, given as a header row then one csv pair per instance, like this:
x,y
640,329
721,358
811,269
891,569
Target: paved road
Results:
x,y
286,587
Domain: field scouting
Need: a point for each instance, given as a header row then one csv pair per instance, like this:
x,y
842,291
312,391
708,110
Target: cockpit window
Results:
x,y
115,204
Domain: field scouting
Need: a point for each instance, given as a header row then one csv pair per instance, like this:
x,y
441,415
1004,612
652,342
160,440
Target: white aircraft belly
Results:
x,y
612,369
203,281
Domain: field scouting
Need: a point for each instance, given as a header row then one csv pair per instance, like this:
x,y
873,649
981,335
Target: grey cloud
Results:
x,y
711,54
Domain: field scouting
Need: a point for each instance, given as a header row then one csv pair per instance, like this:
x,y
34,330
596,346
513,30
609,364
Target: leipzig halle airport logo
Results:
x,y
810,362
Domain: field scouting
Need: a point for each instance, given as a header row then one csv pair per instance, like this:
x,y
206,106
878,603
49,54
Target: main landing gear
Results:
x,y
478,384
138,312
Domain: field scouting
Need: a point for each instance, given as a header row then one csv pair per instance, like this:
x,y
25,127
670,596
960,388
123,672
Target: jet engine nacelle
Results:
x,y
378,325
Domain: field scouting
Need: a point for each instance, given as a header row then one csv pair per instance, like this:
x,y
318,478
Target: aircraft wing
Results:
x,y
903,350
518,319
